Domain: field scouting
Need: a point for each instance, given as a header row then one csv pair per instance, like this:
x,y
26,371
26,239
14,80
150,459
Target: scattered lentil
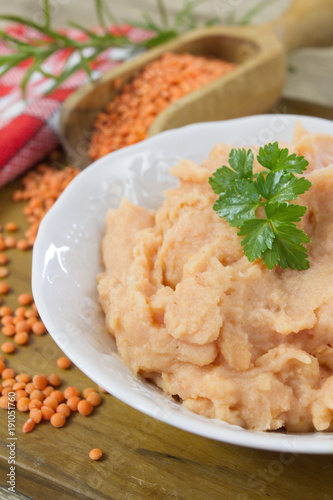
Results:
x,y
36,415
25,299
70,392
38,328
47,412
3,259
23,404
8,347
63,408
21,338
9,330
50,402
64,363
40,381
8,373
47,391
35,403
3,272
54,379
11,227
23,377
84,407
58,420
94,398
4,288
73,403
58,395
95,454
29,425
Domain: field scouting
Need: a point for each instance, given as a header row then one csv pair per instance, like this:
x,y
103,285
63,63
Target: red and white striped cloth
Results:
x,y
29,128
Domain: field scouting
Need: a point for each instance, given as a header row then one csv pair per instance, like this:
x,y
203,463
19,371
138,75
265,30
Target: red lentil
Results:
x,y
28,426
36,394
21,393
25,299
94,398
38,328
3,272
20,311
23,404
8,373
47,391
5,311
4,402
21,338
9,382
35,403
10,242
63,408
7,320
128,116
3,259
11,227
4,288
36,415
87,391
9,330
73,403
47,412
58,395
64,363
18,386
23,377
84,407
95,454
29,388
40,381
50,402
8,347
58,420
22,245
70,392
54,379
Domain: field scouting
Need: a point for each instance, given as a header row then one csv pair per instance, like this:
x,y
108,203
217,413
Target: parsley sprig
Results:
x,y
276,238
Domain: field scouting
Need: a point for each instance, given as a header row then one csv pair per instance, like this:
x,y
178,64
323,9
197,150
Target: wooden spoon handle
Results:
x,y
306,23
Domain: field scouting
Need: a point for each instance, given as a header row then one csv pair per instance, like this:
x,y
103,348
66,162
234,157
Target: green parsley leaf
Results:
x,y
240,204
282,212
273,158
259,237
289,240
224,178
242,162
278,186
276,239
271,256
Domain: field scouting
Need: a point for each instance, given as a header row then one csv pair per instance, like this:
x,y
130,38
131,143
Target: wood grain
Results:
x,y
143,458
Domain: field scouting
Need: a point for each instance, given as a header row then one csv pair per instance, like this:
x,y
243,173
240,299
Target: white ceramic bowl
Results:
x,y
66,259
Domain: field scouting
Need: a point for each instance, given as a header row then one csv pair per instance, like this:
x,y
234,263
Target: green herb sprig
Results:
x,y
39,49
276,238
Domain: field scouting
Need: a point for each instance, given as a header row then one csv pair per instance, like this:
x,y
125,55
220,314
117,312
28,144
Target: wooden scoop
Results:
x,y
252,88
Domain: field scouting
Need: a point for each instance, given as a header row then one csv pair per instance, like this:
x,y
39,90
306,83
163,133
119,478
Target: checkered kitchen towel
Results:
x,y
29,128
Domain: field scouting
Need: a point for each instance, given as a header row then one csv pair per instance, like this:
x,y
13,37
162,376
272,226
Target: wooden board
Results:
x,y
143,458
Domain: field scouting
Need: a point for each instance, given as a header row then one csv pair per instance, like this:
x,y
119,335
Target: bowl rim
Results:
x,y
314,443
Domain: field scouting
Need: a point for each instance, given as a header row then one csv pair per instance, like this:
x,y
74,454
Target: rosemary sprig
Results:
x,y
39,49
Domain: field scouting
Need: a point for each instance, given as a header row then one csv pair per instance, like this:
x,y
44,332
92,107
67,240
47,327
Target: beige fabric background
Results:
x,y
311,78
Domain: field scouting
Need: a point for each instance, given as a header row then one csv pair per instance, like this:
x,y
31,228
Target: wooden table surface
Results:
x,y
143,458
